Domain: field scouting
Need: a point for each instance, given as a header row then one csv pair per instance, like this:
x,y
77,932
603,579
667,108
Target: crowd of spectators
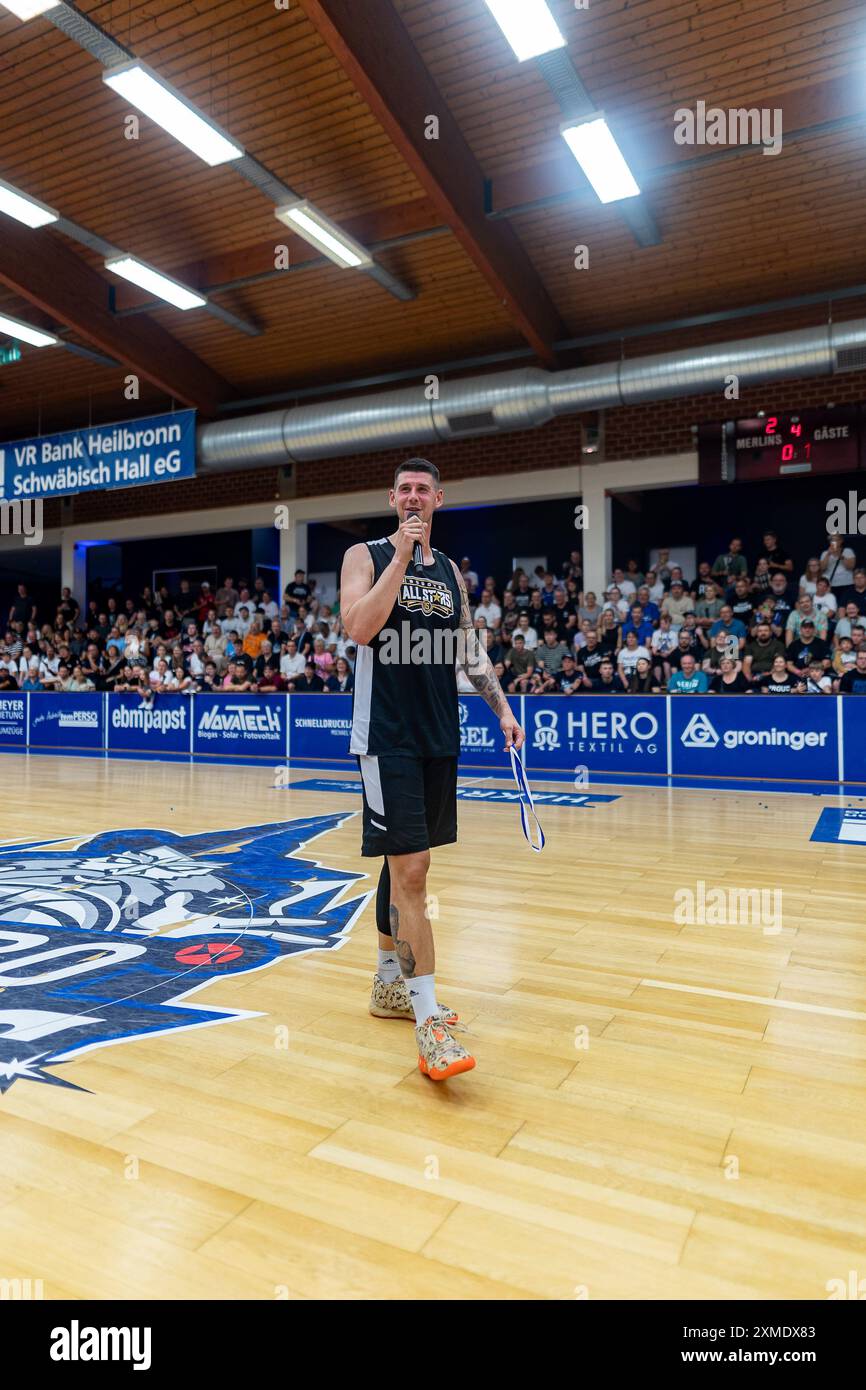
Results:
x,y
735,628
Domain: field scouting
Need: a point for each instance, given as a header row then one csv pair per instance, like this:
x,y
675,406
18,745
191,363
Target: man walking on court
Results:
x,y
412,622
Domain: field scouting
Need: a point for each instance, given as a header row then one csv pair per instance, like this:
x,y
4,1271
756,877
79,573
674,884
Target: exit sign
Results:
x,y
10,353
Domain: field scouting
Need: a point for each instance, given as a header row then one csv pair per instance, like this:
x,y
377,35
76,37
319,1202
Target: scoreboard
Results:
x,y
788,444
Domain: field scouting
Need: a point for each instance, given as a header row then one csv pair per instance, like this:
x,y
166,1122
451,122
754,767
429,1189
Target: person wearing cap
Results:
x,y
808,647
805,612
678,603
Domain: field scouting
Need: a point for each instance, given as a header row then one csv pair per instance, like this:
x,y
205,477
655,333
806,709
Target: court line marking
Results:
x,y
756,999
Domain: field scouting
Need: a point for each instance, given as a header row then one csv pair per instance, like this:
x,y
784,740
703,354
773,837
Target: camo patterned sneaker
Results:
x,y
440,1055
392,1001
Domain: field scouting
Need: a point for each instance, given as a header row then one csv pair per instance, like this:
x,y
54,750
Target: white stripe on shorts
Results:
x,y
372,784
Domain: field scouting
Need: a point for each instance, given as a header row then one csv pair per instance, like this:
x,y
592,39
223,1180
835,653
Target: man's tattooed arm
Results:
x,y
473,658
405,954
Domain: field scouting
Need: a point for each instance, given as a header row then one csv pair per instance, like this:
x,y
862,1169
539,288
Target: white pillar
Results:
x,y
597,546
73,569
293,551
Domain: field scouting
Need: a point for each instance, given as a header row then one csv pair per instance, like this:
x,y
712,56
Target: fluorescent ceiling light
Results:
x,y
155,282
25,333
600,158
321,232
23,208
528,26
29,9
152,95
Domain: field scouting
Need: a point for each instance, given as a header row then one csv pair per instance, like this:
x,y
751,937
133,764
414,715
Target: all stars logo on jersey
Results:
x,y
426,596
106,941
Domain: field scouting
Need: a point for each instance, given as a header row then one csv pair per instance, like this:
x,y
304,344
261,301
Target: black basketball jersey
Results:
x,y
405,696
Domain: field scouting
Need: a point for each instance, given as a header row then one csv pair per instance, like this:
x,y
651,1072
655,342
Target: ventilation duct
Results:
x,y
519,400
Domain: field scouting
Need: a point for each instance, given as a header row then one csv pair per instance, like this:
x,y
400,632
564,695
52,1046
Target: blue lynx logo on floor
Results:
x,y
105,941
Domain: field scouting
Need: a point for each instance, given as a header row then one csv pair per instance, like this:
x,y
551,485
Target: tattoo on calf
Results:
x,y
405,955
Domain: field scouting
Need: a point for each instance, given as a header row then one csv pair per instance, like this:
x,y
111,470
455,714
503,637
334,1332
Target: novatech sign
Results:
x,y
157,449
247,727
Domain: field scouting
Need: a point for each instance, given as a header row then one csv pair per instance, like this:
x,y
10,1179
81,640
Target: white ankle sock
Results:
x,y
388,969
422,996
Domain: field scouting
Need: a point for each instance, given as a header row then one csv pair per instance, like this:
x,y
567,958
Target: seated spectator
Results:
x,y
519,665
8,676
854,681
627,588
731,565
837,564
590,610
824,600
818,681
607,682
760,585
662,571
615,603
629,655
527,631
688,680
589,657
209,682
665,640
703,578
608,632
844,657
322,659
760,652
778,560
271,682
677,603
857,592
729,625
550,654
656,587
779,680
470,578
651,610
309,683
810,576
642,681
197,660
237,678
708,608
570,678
31,679
77,682
637,623
802,614
489,609
729,679
341,681
696,635
806,649
720,651
633,573
740,599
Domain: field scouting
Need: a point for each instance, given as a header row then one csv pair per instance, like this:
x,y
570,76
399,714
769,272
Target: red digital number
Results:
x,y
787,452
771,424
796,429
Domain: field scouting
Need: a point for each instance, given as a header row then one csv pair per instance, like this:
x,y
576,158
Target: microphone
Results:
x,y
418,557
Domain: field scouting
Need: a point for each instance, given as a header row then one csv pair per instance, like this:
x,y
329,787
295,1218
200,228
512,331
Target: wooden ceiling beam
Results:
x,y
387,71
42,269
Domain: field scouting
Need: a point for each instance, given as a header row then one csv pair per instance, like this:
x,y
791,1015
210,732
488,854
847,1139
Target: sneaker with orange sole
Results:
x,y
439,1054
392,1001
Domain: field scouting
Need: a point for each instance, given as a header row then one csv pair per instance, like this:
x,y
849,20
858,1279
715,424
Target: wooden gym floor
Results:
x,y
658,1111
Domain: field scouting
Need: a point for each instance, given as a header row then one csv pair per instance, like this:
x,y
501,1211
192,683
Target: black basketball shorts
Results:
x,y
410,804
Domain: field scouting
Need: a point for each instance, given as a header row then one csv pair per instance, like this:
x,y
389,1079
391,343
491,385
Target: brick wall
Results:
x,y
660,427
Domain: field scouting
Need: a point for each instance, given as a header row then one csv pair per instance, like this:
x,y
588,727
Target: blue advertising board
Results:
x,y
156,728
596,737
765,738
132,453
13,722
854,736
774,743
67,723
320,727
240,727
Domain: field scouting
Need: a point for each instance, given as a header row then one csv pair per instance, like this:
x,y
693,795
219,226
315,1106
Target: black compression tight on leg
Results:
x,y
383,900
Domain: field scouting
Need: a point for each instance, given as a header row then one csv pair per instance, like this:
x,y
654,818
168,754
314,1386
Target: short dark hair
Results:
x,y
417,466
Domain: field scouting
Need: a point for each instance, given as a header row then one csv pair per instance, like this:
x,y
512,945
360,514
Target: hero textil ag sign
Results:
x,y
158,449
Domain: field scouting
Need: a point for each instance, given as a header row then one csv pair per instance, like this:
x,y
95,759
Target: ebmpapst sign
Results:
x,y
158,449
